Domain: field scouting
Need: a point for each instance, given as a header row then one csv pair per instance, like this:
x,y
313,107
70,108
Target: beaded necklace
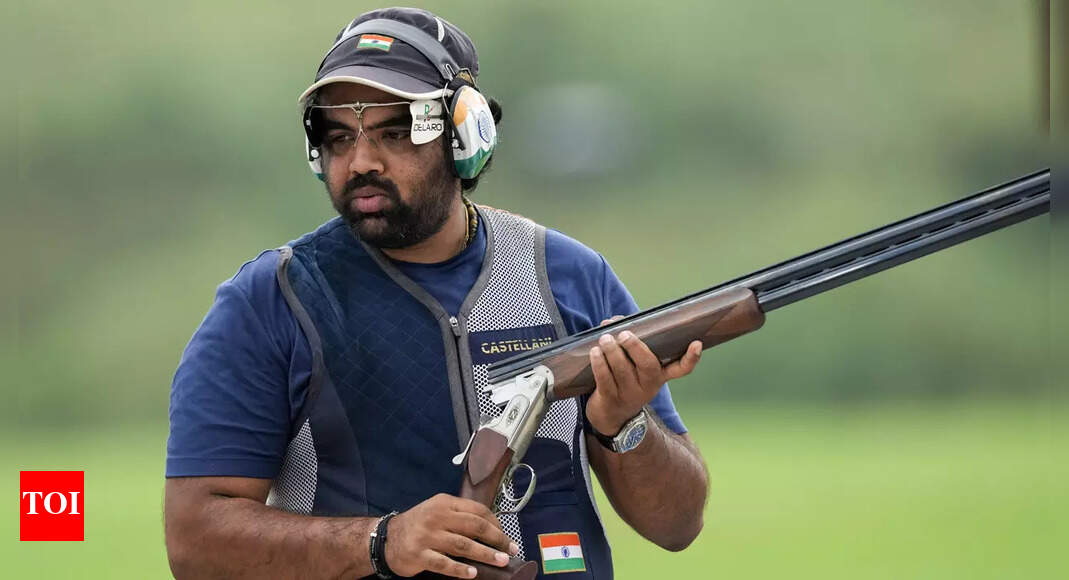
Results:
x,y
473,221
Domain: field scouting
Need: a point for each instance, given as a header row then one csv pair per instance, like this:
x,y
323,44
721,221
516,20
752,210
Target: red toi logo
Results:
x,y
51,505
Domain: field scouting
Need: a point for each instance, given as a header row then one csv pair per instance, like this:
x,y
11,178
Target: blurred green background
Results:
x,y
902,426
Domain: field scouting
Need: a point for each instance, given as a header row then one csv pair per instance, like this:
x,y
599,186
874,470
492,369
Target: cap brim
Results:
x,y
387,80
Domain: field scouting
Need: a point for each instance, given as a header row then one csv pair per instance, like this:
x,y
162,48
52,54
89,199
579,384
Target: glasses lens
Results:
x,y
339,143
386,127
396,140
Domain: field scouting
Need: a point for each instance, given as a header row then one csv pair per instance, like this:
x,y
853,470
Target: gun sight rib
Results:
x,y
903,241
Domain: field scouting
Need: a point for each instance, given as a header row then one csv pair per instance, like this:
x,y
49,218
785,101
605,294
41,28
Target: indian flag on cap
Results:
x,y
561,552
374,41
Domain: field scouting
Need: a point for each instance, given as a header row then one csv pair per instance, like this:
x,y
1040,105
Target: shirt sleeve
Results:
x,y
618,301
230,407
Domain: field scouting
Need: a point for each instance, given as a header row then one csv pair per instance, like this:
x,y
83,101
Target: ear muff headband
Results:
x,y
473,130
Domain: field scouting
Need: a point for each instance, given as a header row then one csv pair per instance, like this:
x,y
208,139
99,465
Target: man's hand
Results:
x,y
424,538
627,376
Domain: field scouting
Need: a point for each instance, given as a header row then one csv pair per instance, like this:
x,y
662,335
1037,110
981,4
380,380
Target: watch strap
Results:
x,y
609,441
605,440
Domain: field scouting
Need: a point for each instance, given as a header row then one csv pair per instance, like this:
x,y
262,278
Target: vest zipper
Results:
x,y
454,324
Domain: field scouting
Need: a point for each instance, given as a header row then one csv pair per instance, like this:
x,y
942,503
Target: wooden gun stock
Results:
x,y
713,319
485,465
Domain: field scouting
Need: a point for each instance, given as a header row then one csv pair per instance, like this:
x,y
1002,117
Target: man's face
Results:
x,y
393,194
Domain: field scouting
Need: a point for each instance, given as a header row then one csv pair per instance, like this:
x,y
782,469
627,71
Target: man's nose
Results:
x,y
365,158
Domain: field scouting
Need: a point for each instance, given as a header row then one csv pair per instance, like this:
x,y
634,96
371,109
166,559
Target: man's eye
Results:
x,y
339,138
395,134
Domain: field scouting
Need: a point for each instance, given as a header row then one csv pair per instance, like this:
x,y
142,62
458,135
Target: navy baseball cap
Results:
x,y
407,52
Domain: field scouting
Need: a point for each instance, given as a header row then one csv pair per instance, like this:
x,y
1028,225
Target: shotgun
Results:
x,y
523,386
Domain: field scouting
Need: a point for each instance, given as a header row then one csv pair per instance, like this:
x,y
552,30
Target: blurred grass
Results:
x,y
899,491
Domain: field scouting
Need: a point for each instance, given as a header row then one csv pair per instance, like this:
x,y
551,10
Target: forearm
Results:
x,y
659,488
233,537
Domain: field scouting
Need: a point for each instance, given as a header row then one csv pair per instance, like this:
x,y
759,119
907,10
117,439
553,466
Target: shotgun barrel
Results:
x,y
806,275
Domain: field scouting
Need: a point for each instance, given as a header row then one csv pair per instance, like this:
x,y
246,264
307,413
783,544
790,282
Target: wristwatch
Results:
x,y
629,437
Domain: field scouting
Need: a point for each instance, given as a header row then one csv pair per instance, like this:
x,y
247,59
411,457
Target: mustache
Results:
x,y
370,179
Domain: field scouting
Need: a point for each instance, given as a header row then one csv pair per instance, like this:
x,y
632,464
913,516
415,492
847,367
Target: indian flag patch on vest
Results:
x,y
374,41
561,552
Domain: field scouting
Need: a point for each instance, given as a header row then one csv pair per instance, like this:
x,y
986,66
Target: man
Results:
x,y
334,379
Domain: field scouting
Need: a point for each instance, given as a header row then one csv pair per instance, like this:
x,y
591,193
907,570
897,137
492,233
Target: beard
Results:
x,y
398,225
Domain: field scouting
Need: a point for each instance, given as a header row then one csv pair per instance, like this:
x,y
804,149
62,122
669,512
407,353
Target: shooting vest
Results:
x,y
395,389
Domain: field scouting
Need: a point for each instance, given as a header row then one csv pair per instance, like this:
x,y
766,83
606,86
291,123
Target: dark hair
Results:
x,y
467,185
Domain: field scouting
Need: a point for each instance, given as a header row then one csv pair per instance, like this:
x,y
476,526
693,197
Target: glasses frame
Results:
x,y
358,109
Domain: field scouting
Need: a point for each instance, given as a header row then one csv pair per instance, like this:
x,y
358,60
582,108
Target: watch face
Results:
x,y
634,437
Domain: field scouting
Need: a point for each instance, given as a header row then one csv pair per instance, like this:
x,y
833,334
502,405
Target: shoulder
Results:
x,y
255,285
256,281
569,251
583,285
253,298
561,250
571,262
257,275
332,227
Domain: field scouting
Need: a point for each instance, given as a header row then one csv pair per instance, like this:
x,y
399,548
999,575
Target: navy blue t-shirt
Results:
x,y
245,372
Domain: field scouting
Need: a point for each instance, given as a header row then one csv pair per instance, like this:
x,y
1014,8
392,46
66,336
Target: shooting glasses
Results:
x,y
397,134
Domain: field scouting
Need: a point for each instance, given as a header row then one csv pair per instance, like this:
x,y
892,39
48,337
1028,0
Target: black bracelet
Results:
x,y
377,547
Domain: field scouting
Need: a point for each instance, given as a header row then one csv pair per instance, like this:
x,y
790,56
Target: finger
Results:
x,y
457,545
477,528
494,534
471,506
446,566
610,320
647,367
623,370
466,508
606,385
686,363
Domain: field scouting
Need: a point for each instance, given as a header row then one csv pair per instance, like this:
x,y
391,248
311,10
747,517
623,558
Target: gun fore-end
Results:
x,y
713,319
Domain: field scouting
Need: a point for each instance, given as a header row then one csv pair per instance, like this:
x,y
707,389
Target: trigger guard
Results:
x,y
521,502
